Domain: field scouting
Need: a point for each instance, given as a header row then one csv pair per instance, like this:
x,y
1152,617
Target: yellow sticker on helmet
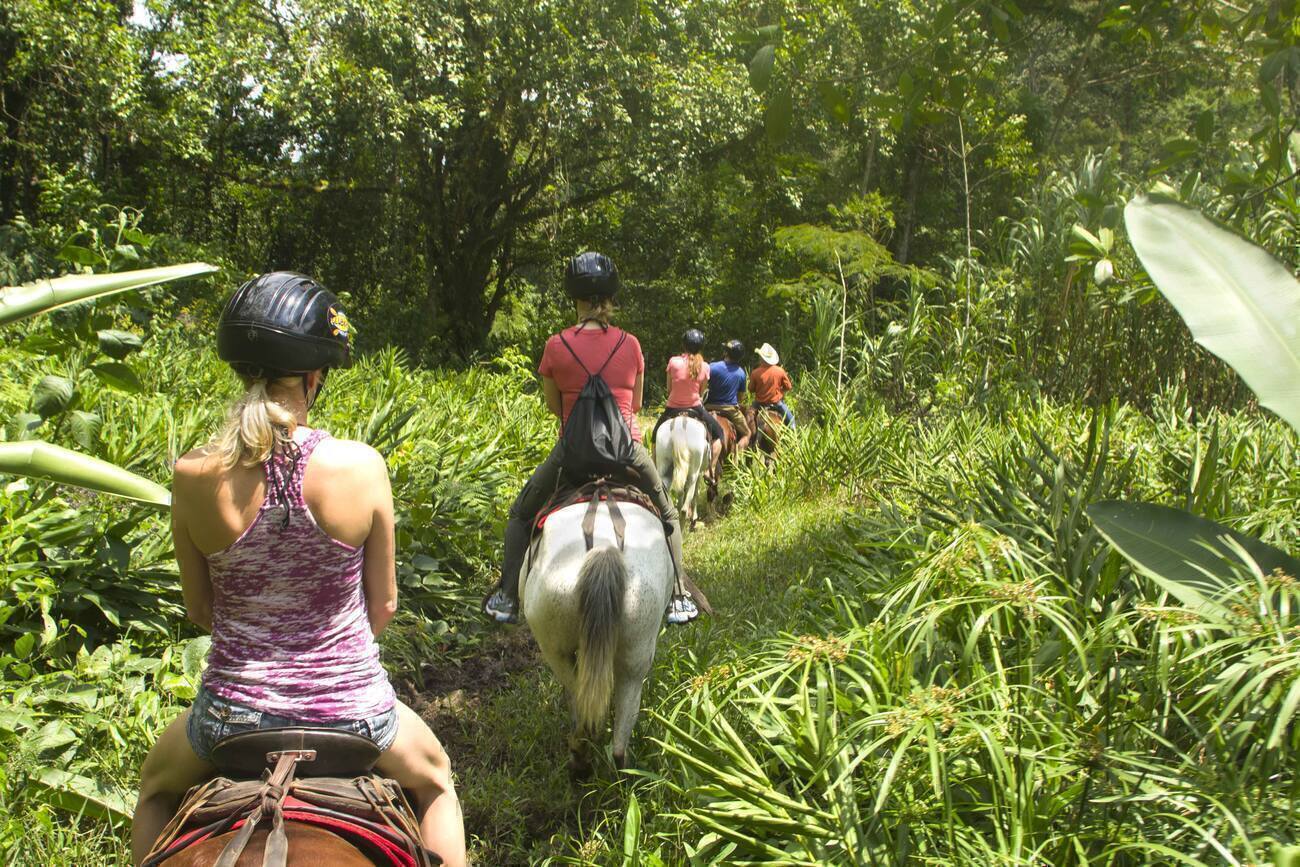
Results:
x,y
340,325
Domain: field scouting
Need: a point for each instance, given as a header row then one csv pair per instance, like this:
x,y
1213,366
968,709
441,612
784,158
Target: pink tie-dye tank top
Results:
x,y
290,635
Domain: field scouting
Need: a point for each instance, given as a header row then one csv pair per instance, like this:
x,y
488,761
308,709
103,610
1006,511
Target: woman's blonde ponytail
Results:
x,y
255,426
601,310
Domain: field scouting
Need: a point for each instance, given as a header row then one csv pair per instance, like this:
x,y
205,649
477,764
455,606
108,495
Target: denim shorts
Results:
x,y
213,718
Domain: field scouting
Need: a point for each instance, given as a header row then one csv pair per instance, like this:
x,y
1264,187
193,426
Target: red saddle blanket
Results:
x,y
368,811
598,489
375,842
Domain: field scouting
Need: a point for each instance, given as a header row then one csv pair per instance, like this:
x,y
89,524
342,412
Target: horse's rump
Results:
x,y
594,599
728,431
580,523
767,424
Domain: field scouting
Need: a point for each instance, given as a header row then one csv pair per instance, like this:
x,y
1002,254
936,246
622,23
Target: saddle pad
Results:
x,y
372,843
541,518
565,498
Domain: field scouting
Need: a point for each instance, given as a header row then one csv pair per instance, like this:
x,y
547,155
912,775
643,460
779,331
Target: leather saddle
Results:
x,y
595,491
334,753
315,776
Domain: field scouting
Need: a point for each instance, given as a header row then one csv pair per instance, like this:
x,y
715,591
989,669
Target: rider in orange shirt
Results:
x,y
769,382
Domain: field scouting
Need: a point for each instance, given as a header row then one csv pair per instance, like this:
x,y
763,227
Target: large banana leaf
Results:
x,y
45,461
19,302
1239,302
1191,557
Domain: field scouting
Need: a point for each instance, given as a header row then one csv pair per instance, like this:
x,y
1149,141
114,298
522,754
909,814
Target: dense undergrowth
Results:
x,y
924,652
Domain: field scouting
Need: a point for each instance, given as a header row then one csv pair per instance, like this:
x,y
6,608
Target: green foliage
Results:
x,y
1194,559
929,650
1237,300
980,678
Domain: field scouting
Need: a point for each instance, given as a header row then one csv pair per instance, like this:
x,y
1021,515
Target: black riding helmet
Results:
x,y
693,340
591,276
735,350
282,324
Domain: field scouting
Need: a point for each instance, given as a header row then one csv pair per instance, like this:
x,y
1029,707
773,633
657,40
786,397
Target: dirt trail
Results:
x,y
452,692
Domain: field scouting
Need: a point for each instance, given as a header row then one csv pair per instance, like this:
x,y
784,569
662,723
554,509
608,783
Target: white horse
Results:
x,y
596,616
681,452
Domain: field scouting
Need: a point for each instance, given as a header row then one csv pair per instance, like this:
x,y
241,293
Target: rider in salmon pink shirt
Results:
x,y
593,344
688,379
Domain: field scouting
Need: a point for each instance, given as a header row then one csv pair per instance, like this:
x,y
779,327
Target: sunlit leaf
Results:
x,y
1239,302
30,299
81,795
118,344
631,832
1185,554
46,461
85,428
53,395
760,67
117,375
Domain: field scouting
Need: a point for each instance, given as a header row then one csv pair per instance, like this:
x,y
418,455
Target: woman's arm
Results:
x,y
378,569
196,585
638,391
552,393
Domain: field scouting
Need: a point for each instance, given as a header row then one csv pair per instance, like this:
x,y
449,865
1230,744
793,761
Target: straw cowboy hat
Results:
x,y
768,354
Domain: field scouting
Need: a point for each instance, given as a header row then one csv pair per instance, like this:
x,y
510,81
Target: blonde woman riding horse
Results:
x,y
284,537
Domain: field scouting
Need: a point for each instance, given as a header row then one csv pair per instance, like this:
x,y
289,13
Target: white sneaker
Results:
x,y
501,607
682,610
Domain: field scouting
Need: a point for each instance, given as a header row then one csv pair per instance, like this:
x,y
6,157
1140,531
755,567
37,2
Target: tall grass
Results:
x,y
987,680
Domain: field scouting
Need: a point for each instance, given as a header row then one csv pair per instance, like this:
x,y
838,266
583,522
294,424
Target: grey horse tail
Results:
x,y
601,582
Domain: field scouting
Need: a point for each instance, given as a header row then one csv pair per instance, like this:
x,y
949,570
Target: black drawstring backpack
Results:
x,y
596,439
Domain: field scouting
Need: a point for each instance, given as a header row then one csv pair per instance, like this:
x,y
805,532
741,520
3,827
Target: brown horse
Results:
x,y
728,449
309,846
767,426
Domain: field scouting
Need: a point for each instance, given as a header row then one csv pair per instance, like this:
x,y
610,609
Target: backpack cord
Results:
x,y
617,347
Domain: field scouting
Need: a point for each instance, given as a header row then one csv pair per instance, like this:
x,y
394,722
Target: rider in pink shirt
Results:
x,y
685,385
688,379
593,345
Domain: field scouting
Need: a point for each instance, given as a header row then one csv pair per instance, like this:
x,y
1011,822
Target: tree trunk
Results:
x,y
911,190
870,162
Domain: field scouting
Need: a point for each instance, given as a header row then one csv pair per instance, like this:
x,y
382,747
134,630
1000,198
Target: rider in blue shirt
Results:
x,y
726,385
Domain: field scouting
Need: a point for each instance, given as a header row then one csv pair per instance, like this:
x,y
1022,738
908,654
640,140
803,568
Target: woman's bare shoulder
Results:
x,y
198,463
350,454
